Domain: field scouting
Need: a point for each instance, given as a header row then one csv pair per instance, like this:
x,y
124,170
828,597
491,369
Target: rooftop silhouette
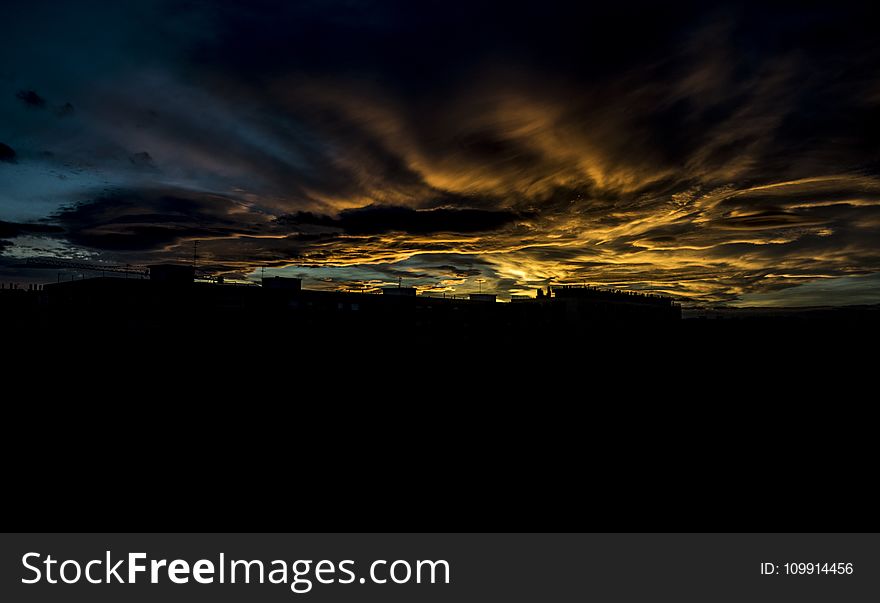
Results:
x,y
169,302
172,298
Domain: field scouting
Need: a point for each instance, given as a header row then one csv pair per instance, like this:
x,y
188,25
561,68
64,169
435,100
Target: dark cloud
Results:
x,y
456,271
142,159
10,230
31,99
7,153
375,219
768,219
65,110
150,220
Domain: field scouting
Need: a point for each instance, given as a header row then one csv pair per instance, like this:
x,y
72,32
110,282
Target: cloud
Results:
x,y
14,230
7,153
65,110
31,99
767,219
10,230
719,152
377,219
150,220
142,160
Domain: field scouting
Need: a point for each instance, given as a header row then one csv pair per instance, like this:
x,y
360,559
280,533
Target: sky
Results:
x,y
722,153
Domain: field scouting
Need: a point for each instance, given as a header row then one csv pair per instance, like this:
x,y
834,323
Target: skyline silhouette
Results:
x,y
171,301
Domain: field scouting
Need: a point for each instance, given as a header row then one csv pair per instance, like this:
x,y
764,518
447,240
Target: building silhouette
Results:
x,y
172,301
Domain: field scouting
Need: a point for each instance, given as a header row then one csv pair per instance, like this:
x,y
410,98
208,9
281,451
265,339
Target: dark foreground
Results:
x,y
692,425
